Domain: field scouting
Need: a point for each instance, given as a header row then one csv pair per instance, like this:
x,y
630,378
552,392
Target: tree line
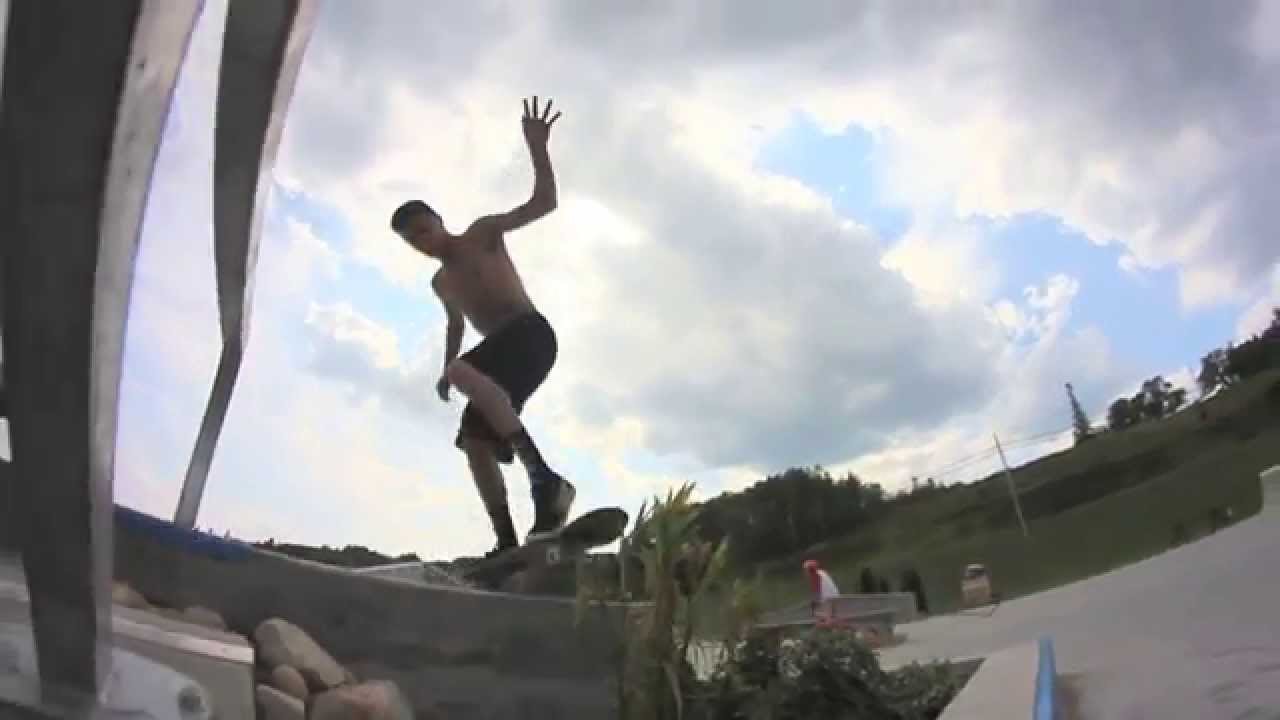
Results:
x,y
1219,368
789,512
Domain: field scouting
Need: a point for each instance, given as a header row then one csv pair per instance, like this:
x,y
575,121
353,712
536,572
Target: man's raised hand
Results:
x,y
537,127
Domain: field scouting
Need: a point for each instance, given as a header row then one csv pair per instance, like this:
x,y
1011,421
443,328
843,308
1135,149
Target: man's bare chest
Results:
x,y
477,274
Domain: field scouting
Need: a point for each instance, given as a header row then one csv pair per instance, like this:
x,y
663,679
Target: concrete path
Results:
x,y
1191,633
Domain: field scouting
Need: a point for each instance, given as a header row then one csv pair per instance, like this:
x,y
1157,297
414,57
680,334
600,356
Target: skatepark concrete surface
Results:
x,y
1191,633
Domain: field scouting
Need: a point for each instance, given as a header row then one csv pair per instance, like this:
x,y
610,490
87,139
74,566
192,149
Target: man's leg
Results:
x,y
494,404
552,494
488,397
493,490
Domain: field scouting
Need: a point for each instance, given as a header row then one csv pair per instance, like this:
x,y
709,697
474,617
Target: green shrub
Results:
x,y
826,673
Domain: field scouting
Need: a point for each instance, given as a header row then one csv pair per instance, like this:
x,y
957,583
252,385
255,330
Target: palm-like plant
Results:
x,y
677,570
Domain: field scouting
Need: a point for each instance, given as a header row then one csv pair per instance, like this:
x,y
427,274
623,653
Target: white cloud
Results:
x,y
308,256
945,262
1259,314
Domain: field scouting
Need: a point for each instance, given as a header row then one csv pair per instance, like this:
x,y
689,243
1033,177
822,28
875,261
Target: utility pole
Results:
x,y
1013,491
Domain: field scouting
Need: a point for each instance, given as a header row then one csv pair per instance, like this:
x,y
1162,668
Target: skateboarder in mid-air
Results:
x,y
478,282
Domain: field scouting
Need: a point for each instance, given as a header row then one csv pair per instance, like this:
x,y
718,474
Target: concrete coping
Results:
x,y
1269,479
1004,686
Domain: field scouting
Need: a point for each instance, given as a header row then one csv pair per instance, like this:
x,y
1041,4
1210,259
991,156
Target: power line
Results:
x,y
991,452
1045,434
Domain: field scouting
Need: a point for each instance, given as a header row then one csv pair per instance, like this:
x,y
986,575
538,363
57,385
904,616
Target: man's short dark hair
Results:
x,y
400,218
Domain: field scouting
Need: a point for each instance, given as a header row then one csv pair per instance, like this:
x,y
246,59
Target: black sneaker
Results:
x,y
552,499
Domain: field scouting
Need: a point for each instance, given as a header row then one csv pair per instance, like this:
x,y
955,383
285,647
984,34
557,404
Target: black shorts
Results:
x,y
518,357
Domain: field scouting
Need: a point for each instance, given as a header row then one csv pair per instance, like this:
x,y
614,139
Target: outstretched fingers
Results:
x,y
531,111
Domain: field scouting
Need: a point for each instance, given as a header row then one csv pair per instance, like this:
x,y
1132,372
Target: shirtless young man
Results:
x,y
478,282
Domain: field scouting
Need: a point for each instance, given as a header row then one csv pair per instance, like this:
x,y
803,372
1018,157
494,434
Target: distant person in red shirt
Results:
x,y
823,590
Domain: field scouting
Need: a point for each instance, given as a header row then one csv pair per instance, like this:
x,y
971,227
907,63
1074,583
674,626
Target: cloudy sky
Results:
x,y
865,235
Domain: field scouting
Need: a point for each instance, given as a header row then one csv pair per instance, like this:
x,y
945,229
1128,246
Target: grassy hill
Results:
x,y
1113,500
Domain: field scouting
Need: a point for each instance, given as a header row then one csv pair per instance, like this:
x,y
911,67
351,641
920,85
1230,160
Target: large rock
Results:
x,y
280,642
374,700
288,680
275,705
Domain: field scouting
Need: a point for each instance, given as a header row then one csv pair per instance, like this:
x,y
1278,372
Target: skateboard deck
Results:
x,y
593,529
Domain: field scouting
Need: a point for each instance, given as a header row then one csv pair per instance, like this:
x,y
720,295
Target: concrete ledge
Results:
x,y
1270,481
468,653
415,572
1004,687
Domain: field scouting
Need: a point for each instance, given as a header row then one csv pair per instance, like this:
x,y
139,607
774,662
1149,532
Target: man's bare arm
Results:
x,y
455,324
537,129
453,333
541,203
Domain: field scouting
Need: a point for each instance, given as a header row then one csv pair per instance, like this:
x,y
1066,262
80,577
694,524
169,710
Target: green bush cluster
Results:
x,y
825,673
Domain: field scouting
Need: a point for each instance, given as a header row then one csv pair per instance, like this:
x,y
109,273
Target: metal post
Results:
x,y
262,50
87,87
1013,490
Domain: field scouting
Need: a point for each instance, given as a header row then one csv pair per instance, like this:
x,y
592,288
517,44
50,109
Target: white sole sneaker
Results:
x,y
564,501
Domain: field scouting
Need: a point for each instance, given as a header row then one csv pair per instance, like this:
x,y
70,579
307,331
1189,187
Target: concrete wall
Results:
x,y
471,654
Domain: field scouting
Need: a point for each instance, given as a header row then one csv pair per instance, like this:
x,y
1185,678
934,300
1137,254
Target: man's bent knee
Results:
x,y
470,379
459,371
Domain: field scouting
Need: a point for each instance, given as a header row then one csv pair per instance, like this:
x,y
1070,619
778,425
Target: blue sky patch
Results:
x,y
1139,313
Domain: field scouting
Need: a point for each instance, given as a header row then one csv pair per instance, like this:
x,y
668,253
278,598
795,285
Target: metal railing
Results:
x,y
75,170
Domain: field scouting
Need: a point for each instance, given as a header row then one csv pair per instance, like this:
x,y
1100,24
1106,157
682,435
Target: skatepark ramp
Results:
x,y
466,653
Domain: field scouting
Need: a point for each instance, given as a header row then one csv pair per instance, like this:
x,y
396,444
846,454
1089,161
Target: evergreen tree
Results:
x,y
1079,420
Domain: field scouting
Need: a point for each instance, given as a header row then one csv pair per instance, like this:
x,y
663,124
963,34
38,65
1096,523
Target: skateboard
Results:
x,y
593,529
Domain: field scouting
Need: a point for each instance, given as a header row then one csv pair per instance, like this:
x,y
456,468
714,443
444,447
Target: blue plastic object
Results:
x,y
1046,679
191,541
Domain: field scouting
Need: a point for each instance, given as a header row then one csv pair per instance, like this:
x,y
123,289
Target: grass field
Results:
x,y
1139,485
